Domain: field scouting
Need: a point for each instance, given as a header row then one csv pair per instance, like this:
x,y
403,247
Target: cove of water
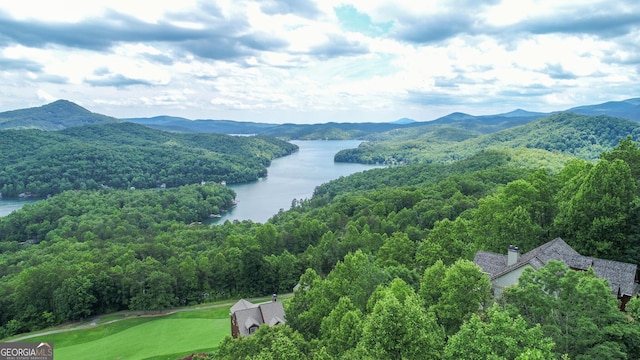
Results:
x,y
7,206
290,177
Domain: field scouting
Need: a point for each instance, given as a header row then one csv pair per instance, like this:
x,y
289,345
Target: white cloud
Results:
x,y
77,10
43,95
249,60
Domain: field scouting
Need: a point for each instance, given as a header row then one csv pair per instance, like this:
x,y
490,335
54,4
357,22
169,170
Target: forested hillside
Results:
x,y
628,109
399,282
178,124
578,135
343,131
124,155
384,258
57,115
476,124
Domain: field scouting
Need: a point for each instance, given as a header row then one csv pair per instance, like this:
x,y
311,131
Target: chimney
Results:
x,y
513,255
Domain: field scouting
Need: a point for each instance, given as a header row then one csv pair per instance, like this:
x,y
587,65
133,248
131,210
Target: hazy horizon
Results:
x,y
316,123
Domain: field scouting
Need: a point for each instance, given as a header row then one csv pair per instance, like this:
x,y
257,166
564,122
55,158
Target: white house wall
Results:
x,y
508,279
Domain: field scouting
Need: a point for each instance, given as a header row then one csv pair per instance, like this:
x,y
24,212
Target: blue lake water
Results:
x,y
291,177
7,206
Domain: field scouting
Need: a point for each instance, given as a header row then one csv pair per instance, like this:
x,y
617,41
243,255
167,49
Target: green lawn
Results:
x,y
166,337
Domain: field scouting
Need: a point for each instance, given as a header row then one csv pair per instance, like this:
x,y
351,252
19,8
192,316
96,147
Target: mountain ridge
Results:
x,y
628,109
58,115
63,114
582,136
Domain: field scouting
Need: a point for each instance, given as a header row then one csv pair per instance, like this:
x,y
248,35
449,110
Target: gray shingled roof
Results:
x,y
242,304
621,276
248,314
272,312
246,318
489,262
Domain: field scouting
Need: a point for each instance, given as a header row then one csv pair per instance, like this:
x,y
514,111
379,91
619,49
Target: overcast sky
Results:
x,y
312,61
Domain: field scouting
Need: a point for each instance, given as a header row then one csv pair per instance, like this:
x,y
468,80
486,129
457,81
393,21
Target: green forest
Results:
x,y
383,257
123,155
567,133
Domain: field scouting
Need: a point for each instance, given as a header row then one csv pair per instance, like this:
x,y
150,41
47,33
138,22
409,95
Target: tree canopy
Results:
x,y
124,155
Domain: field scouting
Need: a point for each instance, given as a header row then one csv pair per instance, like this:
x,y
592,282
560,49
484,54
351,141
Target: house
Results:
x,y
505,270
246,317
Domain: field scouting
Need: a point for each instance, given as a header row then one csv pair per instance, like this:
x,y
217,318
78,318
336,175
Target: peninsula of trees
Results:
x,y
125,155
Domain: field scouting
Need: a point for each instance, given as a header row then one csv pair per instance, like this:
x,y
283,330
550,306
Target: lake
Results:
x,y
290,177
7,206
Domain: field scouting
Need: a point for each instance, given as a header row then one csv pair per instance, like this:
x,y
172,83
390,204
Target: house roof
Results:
x,y
276,320
621,276
489,262
242,304
272,312
248,314
250,321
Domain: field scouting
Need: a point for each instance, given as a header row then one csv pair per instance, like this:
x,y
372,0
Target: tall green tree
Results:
x,y
595,221
268,238
509,217
496,334
543,208
465,290
356,278
431,284
398,249
300,309
447,241
342,329
401,328
74,299
267,343
627,151
633,309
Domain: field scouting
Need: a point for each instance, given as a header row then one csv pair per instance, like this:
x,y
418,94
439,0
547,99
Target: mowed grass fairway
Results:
x,y
164,337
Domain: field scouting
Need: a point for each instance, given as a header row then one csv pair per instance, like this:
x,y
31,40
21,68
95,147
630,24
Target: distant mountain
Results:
x,y
486,124
628,109
455,117
63,114
523,113
403,121
326,131
57,115
483,124
179,124
582,136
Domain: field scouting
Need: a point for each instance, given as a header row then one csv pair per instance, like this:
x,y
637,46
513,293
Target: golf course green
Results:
x,y
144,337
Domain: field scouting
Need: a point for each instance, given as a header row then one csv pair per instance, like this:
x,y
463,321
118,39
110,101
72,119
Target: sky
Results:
x,y
316,61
